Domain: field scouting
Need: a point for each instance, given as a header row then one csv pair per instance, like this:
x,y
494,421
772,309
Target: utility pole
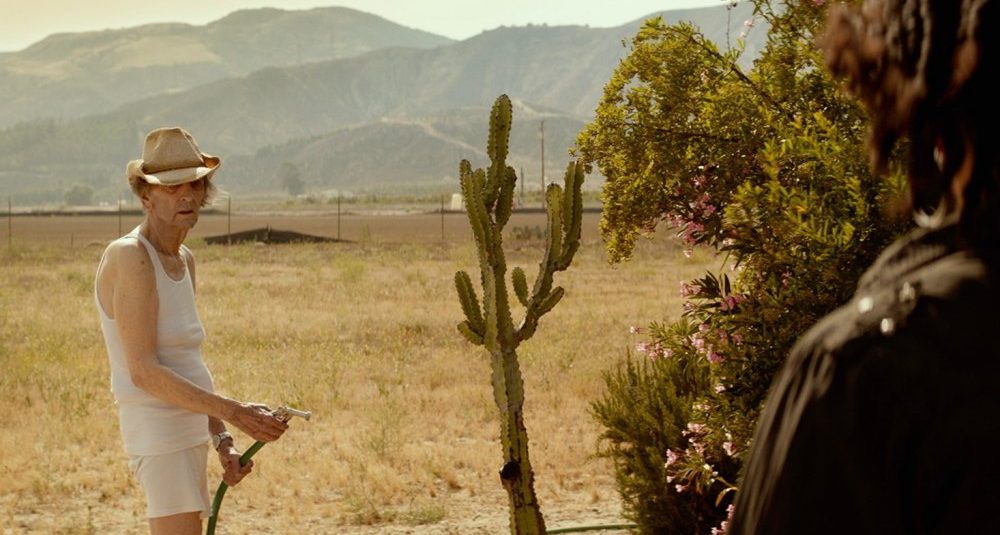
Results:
x,y
229,221
10,225
338,216
541,130
442,217
520,201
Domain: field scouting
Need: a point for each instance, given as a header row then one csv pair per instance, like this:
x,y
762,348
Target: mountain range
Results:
x,y
352,100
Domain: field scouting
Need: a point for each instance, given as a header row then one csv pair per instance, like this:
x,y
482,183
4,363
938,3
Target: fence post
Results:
x,y
338,216
229,221
10,225
442,217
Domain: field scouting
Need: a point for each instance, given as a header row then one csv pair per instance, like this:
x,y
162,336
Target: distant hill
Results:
x,y
72,75
387,116
420,152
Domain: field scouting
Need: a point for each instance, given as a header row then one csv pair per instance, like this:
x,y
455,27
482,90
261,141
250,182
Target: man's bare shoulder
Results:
x,y
127,257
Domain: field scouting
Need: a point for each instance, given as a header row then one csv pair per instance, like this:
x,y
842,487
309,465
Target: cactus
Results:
x,y
489,199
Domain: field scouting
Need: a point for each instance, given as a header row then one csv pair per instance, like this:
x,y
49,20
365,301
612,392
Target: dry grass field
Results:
x,y
404,437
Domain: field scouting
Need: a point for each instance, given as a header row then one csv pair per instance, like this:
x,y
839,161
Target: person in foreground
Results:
x,y
884,417
145,284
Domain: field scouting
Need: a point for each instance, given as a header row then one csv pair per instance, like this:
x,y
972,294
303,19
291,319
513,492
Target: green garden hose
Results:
x,y
283,414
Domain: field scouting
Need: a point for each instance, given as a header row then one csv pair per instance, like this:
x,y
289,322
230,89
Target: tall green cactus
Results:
x,y
489,198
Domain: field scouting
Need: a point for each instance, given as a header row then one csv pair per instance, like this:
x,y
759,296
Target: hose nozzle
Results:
x,y
285,413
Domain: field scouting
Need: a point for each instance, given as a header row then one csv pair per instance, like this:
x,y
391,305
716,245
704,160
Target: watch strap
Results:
x,y
218,438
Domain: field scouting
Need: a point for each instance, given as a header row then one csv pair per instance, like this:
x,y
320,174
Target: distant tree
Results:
x,y
291,179
79,195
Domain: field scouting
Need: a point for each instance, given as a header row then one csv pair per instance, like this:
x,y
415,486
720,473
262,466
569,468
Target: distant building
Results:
x,y
457,202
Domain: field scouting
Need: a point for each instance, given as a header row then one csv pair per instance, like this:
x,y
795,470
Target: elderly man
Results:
x,y
145,284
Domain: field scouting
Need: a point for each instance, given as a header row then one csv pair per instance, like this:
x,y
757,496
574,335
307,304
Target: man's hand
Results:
x,y
257,421
229,456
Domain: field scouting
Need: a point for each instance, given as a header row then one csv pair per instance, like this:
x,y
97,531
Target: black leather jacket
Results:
x,y
886,415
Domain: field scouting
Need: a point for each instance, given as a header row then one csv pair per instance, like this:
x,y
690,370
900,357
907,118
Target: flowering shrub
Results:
x,y
768,167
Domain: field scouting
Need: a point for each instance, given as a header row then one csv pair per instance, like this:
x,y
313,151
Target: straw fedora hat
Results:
x,y
171,156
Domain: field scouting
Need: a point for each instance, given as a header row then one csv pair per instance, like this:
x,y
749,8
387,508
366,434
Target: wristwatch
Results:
x,y
218,438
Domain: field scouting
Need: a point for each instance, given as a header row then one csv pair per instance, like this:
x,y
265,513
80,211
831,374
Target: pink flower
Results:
x,y
724,526
715,357
720,388
703,327
728,447
635,330
688,290
680,488
722,335
671,458
696,428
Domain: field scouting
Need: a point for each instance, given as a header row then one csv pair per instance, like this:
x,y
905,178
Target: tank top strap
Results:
x,y
161,272
157,265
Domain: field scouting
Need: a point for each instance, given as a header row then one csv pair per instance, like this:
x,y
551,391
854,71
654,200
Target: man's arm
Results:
x,y
135,311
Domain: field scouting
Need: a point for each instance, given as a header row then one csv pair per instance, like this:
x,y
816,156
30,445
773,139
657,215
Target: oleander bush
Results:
x,y
767,167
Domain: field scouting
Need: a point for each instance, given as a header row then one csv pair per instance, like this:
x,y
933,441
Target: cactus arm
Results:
x,y
520,285
572,213
496,147
490,308
543,282
473,203
568,181
550,301
479,219
505,204
470,303
555,237
469,334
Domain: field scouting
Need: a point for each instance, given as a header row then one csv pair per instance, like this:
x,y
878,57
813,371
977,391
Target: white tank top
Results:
x,y
149,425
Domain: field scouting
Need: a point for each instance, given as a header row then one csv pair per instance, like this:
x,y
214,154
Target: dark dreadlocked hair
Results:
x,y
923,68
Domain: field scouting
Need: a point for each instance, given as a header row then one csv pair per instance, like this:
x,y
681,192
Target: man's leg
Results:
x,y
180,524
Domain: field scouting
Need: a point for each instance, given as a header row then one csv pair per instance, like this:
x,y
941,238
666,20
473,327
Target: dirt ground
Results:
x,y
405,433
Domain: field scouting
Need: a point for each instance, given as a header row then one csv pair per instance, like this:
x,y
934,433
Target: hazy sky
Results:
x,y
23,22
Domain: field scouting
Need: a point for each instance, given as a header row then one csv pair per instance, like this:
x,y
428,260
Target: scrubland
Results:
x,y
404,437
